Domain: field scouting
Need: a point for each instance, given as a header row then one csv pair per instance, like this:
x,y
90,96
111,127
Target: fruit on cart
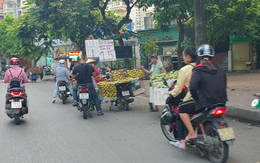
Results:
x,y
107,89
125,80
169,76
160,86
135,73
118,75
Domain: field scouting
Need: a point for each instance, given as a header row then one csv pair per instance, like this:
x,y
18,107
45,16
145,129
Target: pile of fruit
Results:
x,y
107,89
118,75
135,73
160,86
169,76
125,80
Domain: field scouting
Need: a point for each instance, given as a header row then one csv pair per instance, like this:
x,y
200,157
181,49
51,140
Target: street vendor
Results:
x,y
94,63
157,68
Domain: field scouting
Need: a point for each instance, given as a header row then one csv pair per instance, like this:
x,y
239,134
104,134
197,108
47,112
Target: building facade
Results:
x,y
14,7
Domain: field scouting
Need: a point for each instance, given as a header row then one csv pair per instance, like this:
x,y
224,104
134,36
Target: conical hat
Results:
x,y
91,61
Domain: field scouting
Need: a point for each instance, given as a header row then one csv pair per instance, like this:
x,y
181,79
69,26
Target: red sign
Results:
x,y
76,53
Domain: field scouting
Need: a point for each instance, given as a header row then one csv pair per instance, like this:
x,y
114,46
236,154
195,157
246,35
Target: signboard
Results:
x,y
75,54
106,56
107,50
92,48
160,96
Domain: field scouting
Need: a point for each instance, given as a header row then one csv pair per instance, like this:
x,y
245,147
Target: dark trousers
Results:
x,y
189,108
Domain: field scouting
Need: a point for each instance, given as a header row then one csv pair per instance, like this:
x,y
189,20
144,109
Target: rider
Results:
x,y
208,88
184,78
61,75
83,73
15,71
94,63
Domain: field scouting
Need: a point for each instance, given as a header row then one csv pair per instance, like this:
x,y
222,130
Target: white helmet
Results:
x,y
62,61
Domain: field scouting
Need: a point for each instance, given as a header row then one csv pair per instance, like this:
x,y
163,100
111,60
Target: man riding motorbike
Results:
x,y
83,73
184,78
15,72
61,75
207,87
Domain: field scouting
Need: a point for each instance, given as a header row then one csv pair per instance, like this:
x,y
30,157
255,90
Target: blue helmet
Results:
x,y
206,50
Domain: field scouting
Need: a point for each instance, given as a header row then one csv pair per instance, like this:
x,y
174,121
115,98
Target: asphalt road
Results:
x,y
57,133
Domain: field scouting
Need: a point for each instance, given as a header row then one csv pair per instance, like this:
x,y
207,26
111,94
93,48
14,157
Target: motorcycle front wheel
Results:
x,y
168,131
221,154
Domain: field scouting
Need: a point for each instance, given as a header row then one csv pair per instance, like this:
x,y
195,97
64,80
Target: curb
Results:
x,y
243,114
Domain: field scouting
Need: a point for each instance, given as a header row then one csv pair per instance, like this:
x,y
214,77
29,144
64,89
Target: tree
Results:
x,y
66,19
200,23
149,48
6,41
115,26
172,10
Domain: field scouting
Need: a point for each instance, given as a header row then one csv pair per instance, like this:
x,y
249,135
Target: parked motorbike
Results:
x,y
214,134
84,104
124,94
64,92
16,104
48,70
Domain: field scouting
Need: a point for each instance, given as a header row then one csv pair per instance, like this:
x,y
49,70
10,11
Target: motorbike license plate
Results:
x,y
16,105
125,93
226,134
62,88
83,96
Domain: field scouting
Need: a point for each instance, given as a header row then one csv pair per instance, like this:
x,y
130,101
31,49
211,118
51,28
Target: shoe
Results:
x,y
53,101
100,113
75,104
154,110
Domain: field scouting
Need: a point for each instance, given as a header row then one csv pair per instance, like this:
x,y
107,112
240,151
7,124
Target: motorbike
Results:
x,y
124,94
33,78
47,70
214,134
85,104
64,92
16,104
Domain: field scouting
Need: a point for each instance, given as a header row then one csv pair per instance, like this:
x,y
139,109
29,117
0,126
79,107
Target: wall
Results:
x,y
240,55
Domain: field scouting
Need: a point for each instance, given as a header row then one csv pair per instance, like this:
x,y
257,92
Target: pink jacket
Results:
x,y
15,70
97,73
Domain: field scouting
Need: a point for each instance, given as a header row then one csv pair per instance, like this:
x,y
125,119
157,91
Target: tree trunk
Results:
x,y
179,46
200,23
257,48
36,60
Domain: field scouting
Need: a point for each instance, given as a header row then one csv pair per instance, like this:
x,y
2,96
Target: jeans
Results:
x,y
56,90
93,94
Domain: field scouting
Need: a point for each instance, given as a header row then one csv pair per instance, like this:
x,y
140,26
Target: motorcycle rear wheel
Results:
x,y
63,98
221,155
167,131
17,119
85,111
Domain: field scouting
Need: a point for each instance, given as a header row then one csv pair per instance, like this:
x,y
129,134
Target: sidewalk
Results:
x,y
241,87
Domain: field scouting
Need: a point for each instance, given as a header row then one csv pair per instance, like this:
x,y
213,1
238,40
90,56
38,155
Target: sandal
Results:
x,y
100,113
177,144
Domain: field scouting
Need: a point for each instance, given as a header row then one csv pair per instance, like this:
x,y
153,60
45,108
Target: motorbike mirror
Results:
x,y
165,82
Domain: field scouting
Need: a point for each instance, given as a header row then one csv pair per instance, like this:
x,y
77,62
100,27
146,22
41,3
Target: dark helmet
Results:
x,y
205,50
14,61
168,117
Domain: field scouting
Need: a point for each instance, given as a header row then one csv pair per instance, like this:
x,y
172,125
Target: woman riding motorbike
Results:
x,y
207,87
184,78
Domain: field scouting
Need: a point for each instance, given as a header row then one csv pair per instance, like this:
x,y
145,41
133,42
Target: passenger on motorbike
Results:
x,y
61,75
184,78
15,72
207,87
83,73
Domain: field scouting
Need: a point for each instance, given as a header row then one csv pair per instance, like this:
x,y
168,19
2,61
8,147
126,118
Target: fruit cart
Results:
x,y
120,89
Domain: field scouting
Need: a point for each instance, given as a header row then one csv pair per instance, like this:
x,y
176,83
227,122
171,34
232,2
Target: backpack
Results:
x,y
15,81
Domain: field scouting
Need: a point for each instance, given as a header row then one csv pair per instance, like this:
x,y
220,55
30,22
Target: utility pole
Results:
x,y
200,23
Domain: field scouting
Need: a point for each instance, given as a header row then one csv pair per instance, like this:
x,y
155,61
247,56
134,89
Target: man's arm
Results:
x,y
164,70
6,78
148,72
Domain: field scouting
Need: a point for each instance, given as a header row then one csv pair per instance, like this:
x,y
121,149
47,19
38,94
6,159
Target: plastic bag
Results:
x,y
94,83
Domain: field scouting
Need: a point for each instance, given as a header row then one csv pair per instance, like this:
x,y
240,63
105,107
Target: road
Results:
x,y
57,133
